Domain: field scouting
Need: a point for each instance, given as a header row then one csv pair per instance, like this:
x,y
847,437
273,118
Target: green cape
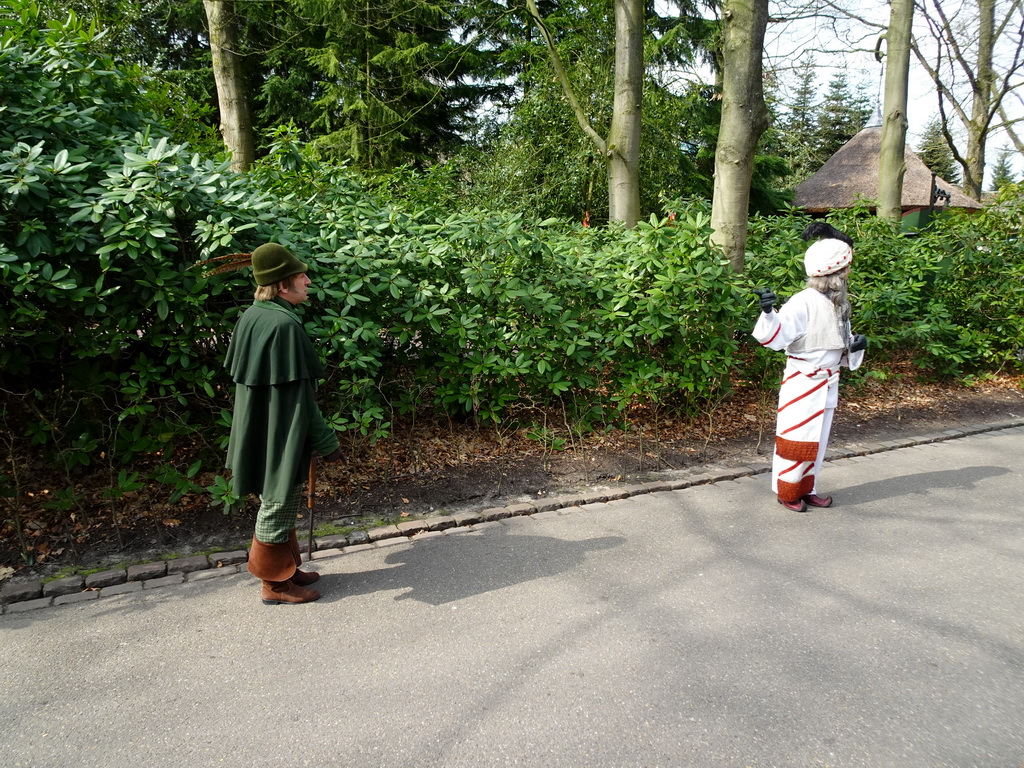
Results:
x,y
276,422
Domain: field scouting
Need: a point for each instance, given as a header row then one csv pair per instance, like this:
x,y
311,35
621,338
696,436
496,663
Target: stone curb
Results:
x,y
24,597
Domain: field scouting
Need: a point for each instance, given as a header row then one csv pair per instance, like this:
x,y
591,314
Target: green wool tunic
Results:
x,y
276,423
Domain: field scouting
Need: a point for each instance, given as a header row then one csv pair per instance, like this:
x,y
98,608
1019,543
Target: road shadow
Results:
x,y
920,484
447,569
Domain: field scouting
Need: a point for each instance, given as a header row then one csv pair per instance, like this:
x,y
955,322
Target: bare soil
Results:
x,y
434,469
740,433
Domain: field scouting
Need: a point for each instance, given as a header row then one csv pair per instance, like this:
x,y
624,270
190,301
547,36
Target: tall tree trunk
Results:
x,y
891,160
621,149
744,119
624,134
235,119
983,87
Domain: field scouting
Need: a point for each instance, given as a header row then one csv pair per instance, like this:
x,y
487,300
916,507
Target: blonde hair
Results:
x,y
269,292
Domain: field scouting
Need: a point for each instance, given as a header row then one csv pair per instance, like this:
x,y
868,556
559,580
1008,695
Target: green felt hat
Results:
x,y
272,263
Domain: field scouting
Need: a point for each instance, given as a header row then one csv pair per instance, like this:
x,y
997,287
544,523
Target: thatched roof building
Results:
x,y
852,173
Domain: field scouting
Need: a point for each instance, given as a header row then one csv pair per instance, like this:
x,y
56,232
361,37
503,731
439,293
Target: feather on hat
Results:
x,y
226,263
271,263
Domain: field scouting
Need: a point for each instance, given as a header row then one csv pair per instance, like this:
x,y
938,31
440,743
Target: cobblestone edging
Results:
x,y
18,597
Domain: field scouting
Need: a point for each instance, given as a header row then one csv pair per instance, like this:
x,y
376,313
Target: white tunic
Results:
x,y
810,388
782,329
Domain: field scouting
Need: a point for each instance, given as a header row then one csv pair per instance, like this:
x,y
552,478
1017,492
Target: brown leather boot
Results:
x,y
302,578
271,562
278,592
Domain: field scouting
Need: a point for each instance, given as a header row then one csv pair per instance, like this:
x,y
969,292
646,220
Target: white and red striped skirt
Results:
x,y
807,398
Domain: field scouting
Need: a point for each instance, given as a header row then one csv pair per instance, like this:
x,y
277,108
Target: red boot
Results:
x,y
814,500
795,506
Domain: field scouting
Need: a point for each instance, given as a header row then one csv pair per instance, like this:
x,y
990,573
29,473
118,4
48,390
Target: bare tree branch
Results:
x,y
563,78
1008,126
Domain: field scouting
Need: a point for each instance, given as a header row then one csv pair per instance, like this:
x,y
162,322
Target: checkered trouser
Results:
x,y
276,519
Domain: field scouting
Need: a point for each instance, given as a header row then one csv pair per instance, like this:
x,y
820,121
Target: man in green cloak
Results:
x,y
276,424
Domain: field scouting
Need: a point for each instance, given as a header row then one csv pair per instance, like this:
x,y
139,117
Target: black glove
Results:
x,y
766,299
335,455
858,343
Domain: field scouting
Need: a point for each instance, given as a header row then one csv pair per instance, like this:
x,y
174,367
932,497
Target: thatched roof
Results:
x,y
852,173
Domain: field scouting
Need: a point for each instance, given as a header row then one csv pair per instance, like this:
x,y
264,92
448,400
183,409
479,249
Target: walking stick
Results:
x,y
309,502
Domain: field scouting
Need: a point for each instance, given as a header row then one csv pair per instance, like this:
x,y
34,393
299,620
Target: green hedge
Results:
x,y
476,312
952,295
111,341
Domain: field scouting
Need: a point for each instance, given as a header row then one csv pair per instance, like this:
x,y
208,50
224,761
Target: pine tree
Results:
x,y
798,122
936,154
377,82
801,116
841,116
395,86
1002,174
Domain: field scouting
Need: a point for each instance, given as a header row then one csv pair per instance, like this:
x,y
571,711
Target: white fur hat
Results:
x,y
827,256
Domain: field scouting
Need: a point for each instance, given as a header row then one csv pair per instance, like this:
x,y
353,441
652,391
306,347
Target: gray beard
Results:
x,y
834,287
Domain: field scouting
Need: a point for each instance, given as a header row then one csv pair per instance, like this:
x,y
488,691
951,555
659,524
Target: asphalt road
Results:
x,y
701,627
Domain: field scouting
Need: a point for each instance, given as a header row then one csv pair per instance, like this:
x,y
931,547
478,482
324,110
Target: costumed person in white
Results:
x,y
813,328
